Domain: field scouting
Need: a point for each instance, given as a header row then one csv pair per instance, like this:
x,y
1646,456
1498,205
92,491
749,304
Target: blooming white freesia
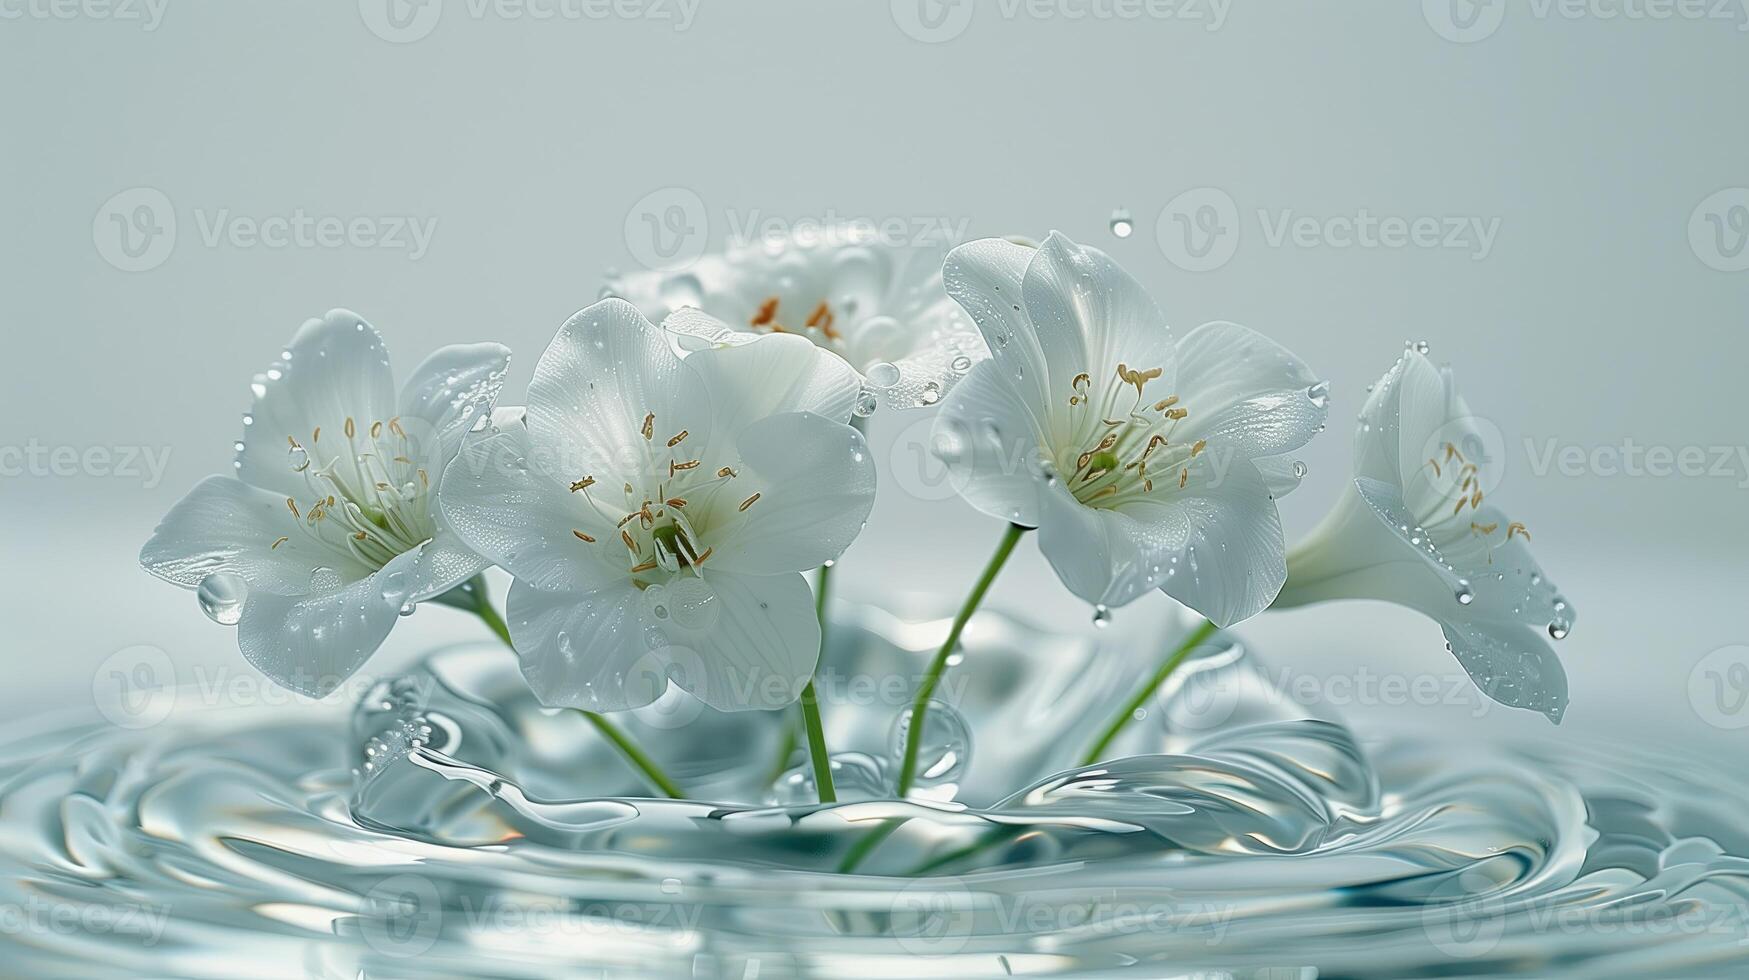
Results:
x,y
1415,528
878,305
1144,463
657,513
328,530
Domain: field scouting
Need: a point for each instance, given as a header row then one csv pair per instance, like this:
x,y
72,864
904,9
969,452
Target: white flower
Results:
x,y
328,525
657,513
879,306
1415,528
1144,463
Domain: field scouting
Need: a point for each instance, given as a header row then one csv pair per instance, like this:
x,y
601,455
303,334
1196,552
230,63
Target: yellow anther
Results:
x,y
1201,444
1484,528
583,537
395,427
1183,478
699,559
350,428
677,502
674,467
583,484
649,426
1176,413
644,566
1435,464
294,507
376,430
750,501
277,543
316,436
677,439
767,312
361,535
1165,403
631,545
726,472
1517,528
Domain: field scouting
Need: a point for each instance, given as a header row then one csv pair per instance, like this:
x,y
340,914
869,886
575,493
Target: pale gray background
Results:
x,y
531,144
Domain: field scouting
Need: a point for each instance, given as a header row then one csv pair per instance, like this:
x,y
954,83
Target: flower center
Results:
x,y
819,325
367,497
1119,449
664,518
1457,484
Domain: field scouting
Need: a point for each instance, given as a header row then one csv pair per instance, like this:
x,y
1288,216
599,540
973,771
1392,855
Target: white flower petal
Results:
x,y
816,484
502,498
1090,315
779,373
449,391
1214,545
586,650
338,369
606,370
986,278
445,562
226,525
1281,474
759,647
1510,664
985,437
311,643
1246,392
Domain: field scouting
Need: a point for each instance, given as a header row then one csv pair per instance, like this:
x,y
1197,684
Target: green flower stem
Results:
x,y
920,707
811,703
635,755
1191,642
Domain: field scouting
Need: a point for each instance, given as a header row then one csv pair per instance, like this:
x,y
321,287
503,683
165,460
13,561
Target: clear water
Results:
x,y
450,826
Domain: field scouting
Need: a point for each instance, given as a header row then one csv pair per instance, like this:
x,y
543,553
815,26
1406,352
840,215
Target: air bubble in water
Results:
x,y
945,748
221,596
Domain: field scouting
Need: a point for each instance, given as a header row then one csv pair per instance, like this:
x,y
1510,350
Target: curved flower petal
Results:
x,y
1090,315
226,525
985,278
984,436
1510,664
608,370
1281,474
338,369
1246,392
758,643
445,562
816,484
775,374
585,649
311,642
1214,545
450,391
501,497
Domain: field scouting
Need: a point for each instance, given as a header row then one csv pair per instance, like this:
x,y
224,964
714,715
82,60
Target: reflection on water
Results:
x,y
451,826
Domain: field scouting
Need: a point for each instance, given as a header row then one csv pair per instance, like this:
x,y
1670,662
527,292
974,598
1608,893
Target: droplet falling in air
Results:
x,y
1122,225
1101,616
1559,627
221,596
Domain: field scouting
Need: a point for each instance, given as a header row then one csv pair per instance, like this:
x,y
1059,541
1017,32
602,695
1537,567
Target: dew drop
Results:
x,y
1299,469
931,393
1558,628
1319,394
221,596
883,374
297,457
1464,595
1101,616
866,403
324,579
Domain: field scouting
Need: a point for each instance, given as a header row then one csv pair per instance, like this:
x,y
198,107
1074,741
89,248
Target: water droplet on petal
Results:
x,y
324,579
883,374
1464,595
1319,394
931,393
1101,616
1299,469
866,403
221,596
